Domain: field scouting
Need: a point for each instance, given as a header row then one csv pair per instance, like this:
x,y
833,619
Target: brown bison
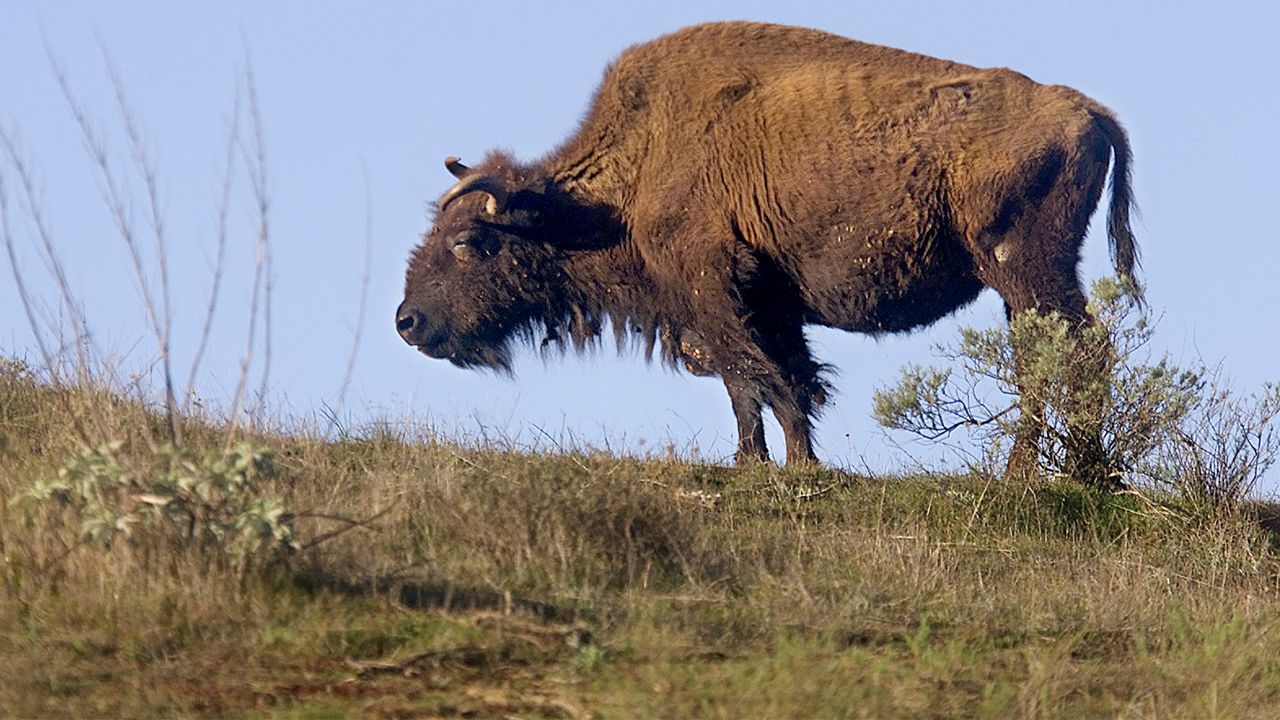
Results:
x,y
733,182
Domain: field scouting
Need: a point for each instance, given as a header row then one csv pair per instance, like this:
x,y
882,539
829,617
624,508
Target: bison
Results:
x,y
733,182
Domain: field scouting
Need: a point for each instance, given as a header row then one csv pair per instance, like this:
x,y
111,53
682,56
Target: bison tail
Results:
x,y
1124,248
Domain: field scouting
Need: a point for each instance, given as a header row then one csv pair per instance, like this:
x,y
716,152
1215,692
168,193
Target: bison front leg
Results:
x,y
756,377
795,389
747,410
798,431
748,320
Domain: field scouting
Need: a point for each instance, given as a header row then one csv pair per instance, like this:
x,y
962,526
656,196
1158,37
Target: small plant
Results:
x,y
1178,428
1224,447
213,503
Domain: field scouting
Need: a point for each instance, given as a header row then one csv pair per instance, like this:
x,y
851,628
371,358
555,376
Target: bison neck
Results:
x,y
612,283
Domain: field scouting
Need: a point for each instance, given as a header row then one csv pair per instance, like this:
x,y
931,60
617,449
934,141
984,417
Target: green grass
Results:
x,y
498,584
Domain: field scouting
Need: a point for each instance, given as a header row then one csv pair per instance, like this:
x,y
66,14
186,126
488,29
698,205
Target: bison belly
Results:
x,y
882,282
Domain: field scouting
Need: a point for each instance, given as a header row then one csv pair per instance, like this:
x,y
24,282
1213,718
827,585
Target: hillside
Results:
x,y
393,575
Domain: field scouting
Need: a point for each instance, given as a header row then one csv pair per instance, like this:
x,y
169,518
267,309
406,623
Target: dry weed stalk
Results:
x,y
260,299
364,294
69,309
223,213
117,200
149,270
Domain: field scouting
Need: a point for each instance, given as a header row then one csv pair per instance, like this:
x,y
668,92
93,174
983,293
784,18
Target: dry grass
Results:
x,y
432,579
491,583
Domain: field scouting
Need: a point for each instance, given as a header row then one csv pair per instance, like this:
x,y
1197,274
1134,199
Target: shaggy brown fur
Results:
x,y
733,182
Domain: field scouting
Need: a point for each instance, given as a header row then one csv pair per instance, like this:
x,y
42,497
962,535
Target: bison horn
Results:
x,y
456,168
470,181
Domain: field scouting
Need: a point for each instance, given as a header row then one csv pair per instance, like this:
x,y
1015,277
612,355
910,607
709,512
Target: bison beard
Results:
x,y
734,182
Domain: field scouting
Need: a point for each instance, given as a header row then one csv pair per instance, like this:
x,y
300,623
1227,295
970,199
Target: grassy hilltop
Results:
x,y
262,575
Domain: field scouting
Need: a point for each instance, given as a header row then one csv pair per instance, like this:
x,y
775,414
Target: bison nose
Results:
x,y
410,324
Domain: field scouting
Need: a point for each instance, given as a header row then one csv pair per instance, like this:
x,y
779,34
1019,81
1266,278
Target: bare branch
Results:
x,y
224,211
260,299
264,237
112,195
364,290
162,317
52,262
351,524
6,233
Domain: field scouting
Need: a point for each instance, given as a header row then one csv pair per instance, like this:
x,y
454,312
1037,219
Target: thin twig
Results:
x,y
224,211
162,317
573,456
49,256
364,291
815,494
262,199
259,302
112,195
53,264
10,248
116,201
352,524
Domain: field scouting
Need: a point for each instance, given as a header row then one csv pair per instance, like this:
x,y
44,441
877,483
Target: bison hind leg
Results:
x,y
1086,458
1029,252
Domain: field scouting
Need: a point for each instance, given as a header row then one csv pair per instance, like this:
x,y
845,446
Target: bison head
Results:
x,y
484,274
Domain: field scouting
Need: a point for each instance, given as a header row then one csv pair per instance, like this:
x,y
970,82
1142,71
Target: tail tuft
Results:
x,y
1124,247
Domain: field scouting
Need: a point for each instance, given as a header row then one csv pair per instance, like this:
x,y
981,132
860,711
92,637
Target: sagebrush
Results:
x,y
1177,427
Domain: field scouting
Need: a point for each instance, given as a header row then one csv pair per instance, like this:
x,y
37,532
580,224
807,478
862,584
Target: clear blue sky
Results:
x,y
388,89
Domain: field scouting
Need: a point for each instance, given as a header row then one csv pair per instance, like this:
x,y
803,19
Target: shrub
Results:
x,y
214,505
1178,428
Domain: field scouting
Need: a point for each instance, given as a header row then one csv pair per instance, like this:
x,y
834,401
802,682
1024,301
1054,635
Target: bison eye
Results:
x,y
462,250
